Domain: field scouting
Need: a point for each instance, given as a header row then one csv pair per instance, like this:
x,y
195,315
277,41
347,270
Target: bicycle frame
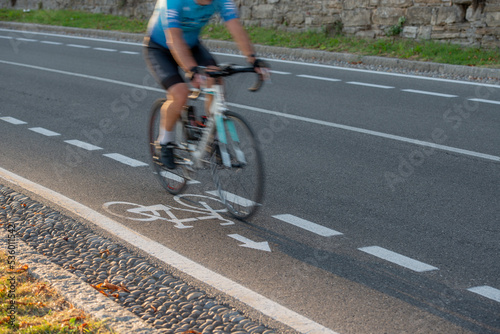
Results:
x,y
214,122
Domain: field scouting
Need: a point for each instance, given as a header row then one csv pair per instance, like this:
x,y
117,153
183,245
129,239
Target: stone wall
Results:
x,y
469,22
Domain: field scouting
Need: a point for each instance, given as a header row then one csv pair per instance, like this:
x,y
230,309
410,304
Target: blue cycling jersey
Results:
x,y
187,15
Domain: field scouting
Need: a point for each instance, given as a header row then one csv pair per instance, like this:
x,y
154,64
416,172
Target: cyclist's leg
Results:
x,y
204,58
164,68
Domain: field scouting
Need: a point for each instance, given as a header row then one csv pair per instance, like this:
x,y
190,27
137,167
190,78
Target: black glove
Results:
x,y
259,63
192,72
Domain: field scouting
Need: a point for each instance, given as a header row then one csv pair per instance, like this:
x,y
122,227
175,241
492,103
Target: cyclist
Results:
x,y
172,43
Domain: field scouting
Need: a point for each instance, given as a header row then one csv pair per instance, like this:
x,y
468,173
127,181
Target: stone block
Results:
x,y
472,15
387,15
396,3
357,17
424,32
294,19
419,15
431,2
450,15
262,12
410,32
462,2
492,19
352,4
245,13
366,34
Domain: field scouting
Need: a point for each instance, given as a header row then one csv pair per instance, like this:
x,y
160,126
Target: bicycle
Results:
x,y
221,141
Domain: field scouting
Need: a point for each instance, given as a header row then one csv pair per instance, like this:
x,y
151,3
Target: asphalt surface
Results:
x,y
408,178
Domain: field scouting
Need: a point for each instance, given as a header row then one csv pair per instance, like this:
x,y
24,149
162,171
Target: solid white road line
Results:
x,y
84,145
398,259
45,132
125,160
307,225
487,291
168,256
12,120
427,93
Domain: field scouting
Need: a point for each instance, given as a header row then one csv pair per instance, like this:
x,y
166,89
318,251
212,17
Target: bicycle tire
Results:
x,y
240,186
174,181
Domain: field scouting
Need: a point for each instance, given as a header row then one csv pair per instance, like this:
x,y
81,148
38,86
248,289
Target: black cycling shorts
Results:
x,y
164,68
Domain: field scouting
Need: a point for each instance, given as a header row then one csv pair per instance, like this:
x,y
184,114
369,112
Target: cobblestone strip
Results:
x,y
73,258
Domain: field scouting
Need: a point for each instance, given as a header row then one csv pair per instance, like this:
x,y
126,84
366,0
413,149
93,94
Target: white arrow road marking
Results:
x,y
264,245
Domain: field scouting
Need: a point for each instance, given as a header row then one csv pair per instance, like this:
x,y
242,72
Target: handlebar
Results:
x,y
228,70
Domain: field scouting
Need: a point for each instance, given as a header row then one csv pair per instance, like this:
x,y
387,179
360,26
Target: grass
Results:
x,y
38,308
384,46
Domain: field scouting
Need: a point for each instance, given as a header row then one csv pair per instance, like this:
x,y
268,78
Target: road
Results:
x,y
382,206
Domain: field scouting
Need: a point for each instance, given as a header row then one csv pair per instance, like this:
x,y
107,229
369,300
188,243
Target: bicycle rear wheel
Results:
x,y
239,185
173,180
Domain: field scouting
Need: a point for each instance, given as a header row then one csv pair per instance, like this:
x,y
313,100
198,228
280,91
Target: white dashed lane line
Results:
x,y
368,85
12,120
427,93
84,145
45,132
125,160
317,78
78,46
398,259
487,291
307,225
485,101
105,49
51,43
27,40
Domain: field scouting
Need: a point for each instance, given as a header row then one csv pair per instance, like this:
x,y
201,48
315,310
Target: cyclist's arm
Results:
x,y
179,49
241,38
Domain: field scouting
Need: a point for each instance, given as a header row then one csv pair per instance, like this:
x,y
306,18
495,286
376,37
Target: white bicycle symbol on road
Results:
x,y
138,212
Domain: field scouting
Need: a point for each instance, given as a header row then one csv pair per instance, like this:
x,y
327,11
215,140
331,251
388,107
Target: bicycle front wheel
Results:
x,y
173,180
239,177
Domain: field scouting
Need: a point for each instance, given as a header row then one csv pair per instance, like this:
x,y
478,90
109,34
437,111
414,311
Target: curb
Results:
x,y
315,56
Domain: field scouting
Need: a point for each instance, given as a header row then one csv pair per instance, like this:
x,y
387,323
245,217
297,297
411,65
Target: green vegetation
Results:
x,y
30,306
77,19
390,46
